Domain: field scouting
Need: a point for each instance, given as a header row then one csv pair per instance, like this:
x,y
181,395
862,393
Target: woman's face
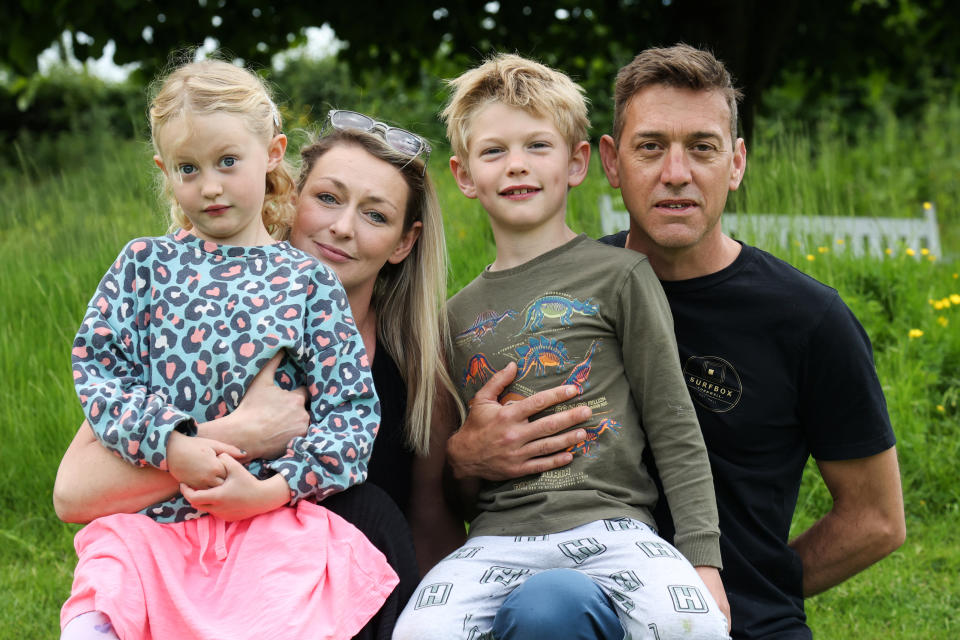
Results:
x,y
350,215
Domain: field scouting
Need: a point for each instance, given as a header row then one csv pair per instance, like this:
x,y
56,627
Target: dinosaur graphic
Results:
x,y
579,376
555,306
540,353
477,371
485,323
593,434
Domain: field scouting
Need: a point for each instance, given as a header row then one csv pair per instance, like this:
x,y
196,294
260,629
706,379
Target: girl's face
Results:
x,y
350,215
217,169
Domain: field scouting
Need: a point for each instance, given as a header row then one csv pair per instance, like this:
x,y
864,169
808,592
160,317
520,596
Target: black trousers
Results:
x,y
368,507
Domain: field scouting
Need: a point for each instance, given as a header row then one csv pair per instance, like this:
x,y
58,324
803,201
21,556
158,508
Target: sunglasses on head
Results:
x,y
406,142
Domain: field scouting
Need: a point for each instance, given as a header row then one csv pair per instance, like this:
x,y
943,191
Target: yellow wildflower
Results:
x,y
823,249
932,258
938,305
927,206
915,333
946,303
840,240
888,251
955,298
911,252
941,408
942,321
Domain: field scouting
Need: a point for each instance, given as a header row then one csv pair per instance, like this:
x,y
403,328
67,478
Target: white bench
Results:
x,y
862,236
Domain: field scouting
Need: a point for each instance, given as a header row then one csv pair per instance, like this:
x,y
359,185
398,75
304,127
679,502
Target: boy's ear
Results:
x,y
579,163
462,176
275,150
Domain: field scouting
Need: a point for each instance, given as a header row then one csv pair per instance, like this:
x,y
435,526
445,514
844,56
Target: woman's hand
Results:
x,y
241,495
266,419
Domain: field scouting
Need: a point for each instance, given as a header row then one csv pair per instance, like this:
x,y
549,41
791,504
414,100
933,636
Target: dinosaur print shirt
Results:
x,y
595,317
179,327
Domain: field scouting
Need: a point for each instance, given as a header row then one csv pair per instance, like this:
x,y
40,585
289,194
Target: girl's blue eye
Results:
x,y
187,169
228,161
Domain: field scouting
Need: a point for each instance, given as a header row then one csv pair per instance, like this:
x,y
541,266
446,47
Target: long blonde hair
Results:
x,y
408,298
214,86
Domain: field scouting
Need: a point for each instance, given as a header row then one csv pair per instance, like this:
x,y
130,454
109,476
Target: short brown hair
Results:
x,y
518,82
680,66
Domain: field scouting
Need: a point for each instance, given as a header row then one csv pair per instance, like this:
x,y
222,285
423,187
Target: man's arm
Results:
x,y
865,524
436,529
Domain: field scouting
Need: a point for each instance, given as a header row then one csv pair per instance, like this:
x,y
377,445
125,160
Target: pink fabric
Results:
x,y
296,572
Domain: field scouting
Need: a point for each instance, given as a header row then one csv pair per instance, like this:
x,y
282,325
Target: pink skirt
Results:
x,y
295,572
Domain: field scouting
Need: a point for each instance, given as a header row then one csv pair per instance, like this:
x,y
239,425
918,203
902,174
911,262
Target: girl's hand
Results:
x,y
241,495
266,419
195,461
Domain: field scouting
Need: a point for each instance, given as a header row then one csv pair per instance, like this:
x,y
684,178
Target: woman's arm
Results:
x,y
436,529
91,482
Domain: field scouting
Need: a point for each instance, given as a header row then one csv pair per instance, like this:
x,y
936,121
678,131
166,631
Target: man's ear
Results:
x,y
579,163
739,164
275,150
405,245
461,174
609,160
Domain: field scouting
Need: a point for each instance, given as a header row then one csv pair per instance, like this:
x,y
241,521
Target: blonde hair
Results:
x,y
214,86
680,66
408,298
516,82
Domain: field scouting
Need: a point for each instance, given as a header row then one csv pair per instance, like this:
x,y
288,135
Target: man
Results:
x,y
776,364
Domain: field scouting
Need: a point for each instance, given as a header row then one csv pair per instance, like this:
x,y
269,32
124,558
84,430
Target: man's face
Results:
x,y
674,165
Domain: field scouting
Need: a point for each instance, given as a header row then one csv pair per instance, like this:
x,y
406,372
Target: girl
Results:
x,y
176,331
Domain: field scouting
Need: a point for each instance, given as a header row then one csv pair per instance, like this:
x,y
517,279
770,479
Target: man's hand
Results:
x,y
711,578
266,419
195,461
240,495
498,442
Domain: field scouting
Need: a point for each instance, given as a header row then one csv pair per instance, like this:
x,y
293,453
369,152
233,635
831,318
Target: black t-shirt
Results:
x,y
779,369
391,463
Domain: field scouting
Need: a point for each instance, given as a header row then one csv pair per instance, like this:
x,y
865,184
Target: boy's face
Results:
x,y
519,166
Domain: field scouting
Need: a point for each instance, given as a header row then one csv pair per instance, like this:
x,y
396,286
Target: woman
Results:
x,y
367,209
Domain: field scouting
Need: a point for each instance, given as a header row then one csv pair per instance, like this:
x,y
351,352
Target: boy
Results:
x,y
562,307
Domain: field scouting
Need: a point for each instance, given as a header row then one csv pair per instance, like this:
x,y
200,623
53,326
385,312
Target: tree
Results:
x,y
831,46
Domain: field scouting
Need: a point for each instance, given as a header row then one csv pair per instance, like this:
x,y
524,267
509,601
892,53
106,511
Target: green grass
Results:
x,y
59,232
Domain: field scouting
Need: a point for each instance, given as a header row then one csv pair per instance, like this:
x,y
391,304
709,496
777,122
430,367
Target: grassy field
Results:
x,y
59,232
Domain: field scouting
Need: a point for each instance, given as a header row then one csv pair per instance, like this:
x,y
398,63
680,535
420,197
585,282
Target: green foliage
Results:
x,y
880,166
55,121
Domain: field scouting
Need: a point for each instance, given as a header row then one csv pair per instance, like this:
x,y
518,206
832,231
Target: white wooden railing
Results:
x,y
863,236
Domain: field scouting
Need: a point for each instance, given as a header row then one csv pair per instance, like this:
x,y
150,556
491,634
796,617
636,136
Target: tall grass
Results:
x,y
59,232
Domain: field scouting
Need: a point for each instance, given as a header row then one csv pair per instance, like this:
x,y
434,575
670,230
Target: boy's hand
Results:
x,y
499,442
241,495
711,578
194,461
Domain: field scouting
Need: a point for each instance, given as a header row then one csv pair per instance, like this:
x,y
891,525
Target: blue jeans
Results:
x,y
559,603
